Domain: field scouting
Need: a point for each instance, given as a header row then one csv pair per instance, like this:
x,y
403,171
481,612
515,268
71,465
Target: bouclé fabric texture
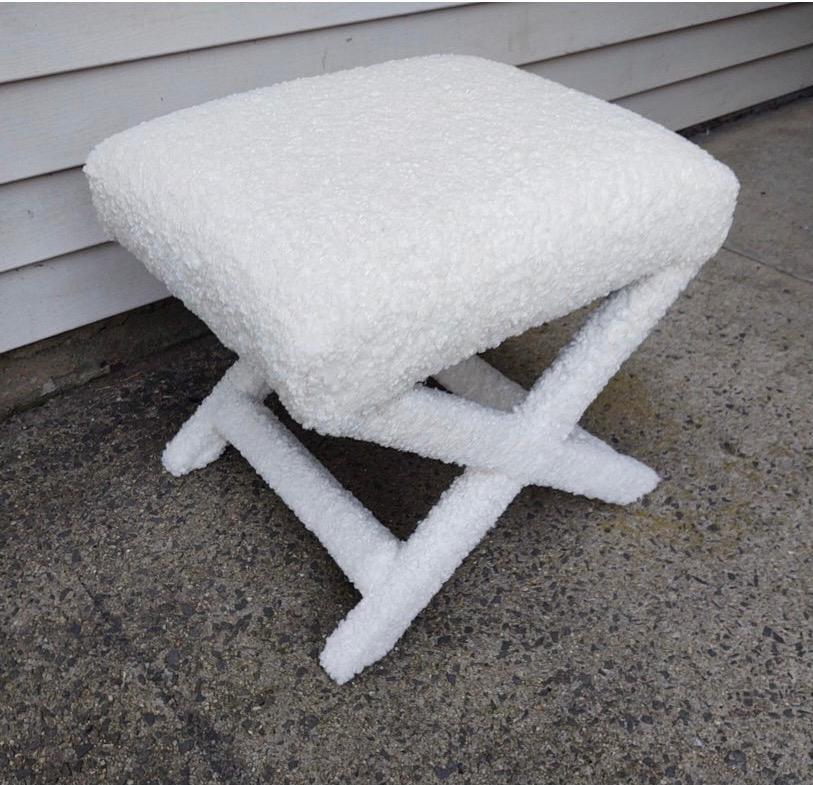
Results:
x,y
356,232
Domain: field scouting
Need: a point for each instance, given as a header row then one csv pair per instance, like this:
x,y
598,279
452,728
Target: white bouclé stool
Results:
x,y
351,235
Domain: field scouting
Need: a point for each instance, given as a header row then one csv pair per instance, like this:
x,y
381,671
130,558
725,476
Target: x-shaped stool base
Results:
x,y
506,438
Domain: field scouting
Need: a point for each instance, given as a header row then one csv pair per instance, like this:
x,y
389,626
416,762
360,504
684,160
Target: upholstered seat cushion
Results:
x,y
353,233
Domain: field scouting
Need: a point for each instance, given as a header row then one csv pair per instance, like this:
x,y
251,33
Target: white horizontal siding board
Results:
x,y
683,104
49,38
613,72
51,123
46,299
46,216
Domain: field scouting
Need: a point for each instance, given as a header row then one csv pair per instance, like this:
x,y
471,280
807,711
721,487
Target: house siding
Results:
x,y
71,75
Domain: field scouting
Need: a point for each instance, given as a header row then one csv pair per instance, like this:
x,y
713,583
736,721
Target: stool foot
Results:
x,y
199,442
196,445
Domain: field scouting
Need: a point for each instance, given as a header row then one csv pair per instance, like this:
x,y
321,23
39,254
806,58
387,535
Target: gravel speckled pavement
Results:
x,y
155,630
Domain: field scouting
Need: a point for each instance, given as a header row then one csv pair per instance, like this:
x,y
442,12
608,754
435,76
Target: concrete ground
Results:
x,y
155,630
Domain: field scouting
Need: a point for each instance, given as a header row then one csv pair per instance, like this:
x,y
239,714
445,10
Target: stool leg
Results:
x,y
454,526
474,502
198,442
196,445
233,413
582,464
351,534
397,579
